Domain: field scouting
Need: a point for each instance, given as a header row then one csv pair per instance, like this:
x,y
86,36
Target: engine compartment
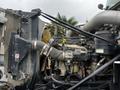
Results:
x,y
89,61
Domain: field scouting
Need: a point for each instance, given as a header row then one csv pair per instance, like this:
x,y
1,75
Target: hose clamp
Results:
x,y
43,49
49,51
34,45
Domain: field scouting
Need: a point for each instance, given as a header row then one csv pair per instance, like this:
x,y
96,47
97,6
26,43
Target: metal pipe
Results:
x,y
94,73
105,17
99,63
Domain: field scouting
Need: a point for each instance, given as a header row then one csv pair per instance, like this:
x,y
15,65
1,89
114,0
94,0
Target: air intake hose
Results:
x,y
105,17
46,49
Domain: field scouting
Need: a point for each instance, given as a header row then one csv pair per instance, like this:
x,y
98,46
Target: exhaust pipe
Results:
x,y
105,17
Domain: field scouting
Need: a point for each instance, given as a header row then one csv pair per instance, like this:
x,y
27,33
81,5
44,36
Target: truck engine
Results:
x,y
89,61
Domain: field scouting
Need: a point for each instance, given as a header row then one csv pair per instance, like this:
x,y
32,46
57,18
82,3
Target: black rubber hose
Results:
x,y
59,82
94,73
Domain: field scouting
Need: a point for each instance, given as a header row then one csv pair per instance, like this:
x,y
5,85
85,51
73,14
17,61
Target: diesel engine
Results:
x,y
89,61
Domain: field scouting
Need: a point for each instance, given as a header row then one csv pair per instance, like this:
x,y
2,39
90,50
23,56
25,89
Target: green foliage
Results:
x,y
58,30
61,30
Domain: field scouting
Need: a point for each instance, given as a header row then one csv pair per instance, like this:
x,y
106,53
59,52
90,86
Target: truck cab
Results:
x,y
113,4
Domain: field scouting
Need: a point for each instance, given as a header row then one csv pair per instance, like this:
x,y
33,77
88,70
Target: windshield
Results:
x,y
111,3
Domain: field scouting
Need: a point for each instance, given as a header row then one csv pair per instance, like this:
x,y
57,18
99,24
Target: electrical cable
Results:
x,y
59,82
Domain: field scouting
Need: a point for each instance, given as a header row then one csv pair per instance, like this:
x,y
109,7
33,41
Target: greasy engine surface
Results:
x,y
89,61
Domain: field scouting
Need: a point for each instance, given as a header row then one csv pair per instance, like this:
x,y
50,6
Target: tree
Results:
x,y
72,21
59,31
